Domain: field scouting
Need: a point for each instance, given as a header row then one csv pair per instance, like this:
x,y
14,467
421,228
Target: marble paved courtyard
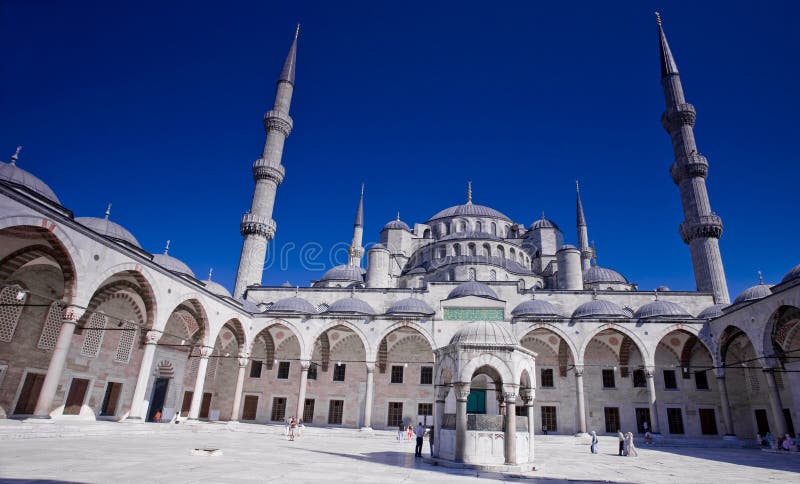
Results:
x,y
261,454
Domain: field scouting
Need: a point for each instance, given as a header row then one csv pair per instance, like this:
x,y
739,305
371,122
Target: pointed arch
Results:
x,y
646,356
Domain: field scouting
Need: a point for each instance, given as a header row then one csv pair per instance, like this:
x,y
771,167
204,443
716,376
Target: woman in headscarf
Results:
x,y
594,443
629,444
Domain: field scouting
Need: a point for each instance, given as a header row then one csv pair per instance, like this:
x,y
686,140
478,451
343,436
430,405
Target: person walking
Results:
x,y
595,441
292,427
430,439
621,438
409,432
419,431
630,448
401,432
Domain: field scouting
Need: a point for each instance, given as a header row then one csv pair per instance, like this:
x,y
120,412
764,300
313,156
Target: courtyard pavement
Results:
x,y
261,454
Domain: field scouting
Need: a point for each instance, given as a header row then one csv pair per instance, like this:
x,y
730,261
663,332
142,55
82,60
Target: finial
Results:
x,y
166,249
15,156
760,278
108,211
656,291
577,187
296,291
594,293
658,18
533,292
297,31
353,291
362,190
542,214
398,215
210,271
469,193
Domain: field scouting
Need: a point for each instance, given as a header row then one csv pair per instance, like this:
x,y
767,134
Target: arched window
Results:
x,y
426,234
442,252
492,275
462,226
471,274
442,229
501,252
493,228
478,226
472,250
521,284
487,250
12,298
512,254
456,250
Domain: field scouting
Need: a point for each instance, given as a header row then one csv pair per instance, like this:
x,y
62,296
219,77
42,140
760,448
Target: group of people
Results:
x,y
786,442
406,433
294,428
626,446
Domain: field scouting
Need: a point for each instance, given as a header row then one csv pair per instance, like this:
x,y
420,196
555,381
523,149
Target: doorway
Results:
x,y
708,421
109,406
787,416
611,415
642,417
159,395
187,403
76,396
205,407
29,395
250,407
476,402
761,421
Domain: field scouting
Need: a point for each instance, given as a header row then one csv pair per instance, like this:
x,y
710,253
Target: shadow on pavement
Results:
x,y
785,461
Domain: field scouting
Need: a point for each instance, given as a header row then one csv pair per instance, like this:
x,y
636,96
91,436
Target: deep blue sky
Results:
x,y
157,106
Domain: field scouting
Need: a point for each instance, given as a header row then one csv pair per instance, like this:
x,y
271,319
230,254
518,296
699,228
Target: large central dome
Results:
x,y
470,210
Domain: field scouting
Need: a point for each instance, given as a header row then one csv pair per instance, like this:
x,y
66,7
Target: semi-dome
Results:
x,y
216,288
711,312
12,173
661,309
535,307
470,210
172,264
106,227
752,293
484,333
794,273
599,308
411,306
293,305
344,273
472,288
397,224
350,305
597,274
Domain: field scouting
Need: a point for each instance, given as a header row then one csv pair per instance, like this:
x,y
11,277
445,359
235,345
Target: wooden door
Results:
x,y
109,407
708,421
205,407
250,407
76,396
29,395
187,403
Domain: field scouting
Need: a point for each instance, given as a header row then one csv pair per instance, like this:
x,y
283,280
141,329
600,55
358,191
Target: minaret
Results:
x,y
583,234
356,250
257,226
701,228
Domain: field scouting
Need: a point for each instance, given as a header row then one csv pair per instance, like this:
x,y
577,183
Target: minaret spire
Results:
x,y
356,250
469,193
257,226
583,232
701,228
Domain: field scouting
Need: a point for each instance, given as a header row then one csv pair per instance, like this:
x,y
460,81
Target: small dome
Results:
x,y
711,312
543,223
106,227
484,333
599,274
216,288
794,273
568,247
662,289
14,174
535,307
172,264
411,306
249,306
661,309
350,305
472,288
397,224
294,305
344,273
752,293
378,247
599,308
469,210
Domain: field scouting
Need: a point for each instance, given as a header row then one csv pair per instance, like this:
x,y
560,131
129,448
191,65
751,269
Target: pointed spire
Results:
x,y
166,249
287,74
469,193
581,218
210,271
359,221
668,66
594,255
760,278
108,211
15,156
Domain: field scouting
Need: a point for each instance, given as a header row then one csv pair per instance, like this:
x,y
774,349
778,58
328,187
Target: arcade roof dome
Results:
x,y
484,333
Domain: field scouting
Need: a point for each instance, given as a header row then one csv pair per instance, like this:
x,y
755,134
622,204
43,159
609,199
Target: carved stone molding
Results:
x,y
277,121
461,391
263,170
72,314
701,227
258,225
151,337
205,352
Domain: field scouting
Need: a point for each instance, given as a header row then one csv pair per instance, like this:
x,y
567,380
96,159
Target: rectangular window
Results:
x,y
335,411
675,420
608,379
397,374
521,410
549,422
425,409
426,375
476,402
708,421
283,370
255,369
546,378
278,409
339,371
670,382
639,380
312,371
395,417
308,410
701,380
642,420
612,419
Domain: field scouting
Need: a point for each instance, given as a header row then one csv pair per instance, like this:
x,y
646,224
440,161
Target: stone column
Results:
x,y
200,380
528,397
775,402
138,411
69,321
649,374
462,393
438,416
726,406
301,394
581,400
510,397
244,359
368,396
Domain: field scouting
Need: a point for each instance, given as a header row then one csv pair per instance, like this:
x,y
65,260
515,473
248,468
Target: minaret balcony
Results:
x,y
258,225
694,165
278,121
701,227
677,116
262,170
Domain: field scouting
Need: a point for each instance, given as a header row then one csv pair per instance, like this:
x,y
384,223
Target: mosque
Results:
x,y
469,319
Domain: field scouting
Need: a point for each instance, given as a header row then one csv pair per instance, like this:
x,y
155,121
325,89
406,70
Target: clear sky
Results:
x,y
157,107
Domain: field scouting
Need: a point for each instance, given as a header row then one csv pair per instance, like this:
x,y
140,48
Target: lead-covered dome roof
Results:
x,y
536,307
484,333
794,273
543,223
397,224
411,306
172,264
661,309
350,305
14,174
752,293
344,273
599,308
216,288
597,274
293,305
106,227
711,312
469,210
472,288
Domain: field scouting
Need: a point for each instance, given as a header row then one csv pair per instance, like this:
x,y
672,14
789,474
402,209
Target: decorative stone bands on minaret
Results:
x,y
701,228
253,224
278,121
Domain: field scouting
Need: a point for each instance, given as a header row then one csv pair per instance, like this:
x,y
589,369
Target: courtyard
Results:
x,y
113,452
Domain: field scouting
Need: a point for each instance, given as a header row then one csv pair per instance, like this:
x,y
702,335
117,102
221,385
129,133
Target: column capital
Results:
x,y
370,366
151,337
461,391
527,395
71,314
441,393
510,397
578,370
649,372
205,352
244,359
305,365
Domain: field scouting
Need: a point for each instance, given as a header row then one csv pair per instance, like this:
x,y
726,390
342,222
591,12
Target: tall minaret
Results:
x,y
583,234
356,250
701,228
257,226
